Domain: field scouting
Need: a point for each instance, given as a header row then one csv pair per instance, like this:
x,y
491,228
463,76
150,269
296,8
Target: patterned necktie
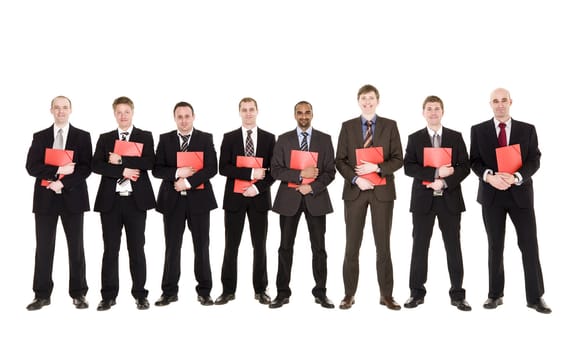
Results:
x,y
369,135
502,138
436,140
59,141
249,145
184,142
304,143
124,135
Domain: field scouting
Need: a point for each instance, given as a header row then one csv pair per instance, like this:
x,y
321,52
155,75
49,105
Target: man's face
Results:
x,y
303,115
184,119
368,103
124,116
500,103
248,112
60,110
433,114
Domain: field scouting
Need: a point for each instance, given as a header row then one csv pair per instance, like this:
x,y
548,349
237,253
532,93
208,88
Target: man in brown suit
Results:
x,y
368,130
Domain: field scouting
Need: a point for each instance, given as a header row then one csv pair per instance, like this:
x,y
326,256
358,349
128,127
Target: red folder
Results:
x,y
371,155
128,148
436,157
56,157
509,158
300,160
191,159
246,162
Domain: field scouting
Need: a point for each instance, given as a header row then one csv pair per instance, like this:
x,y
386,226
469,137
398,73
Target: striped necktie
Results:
x,y
304,143
369,135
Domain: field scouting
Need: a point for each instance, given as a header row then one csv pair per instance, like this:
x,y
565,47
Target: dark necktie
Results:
x,y
249,145
59,141
502,138
369,135
184,142
124,135
304,143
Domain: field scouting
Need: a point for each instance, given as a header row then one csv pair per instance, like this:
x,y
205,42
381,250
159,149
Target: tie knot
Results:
x,y
124,135
59,131
184,137
502,125
369,123
304,134
250,132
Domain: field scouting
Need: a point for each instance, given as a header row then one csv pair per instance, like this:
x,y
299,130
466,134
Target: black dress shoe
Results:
x,y
142,303
390,303
279,302
205,300
462,304
224,299
80,302
347,302
263,298
166,300
37,304
541,307
106,304
492,303
324,302
413,302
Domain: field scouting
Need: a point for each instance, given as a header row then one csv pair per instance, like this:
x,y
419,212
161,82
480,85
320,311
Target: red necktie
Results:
x,y
501,138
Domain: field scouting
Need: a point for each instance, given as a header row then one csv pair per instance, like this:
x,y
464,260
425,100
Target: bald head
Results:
x,y
500,102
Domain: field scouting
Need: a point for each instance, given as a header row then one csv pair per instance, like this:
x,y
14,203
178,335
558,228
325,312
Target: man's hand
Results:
x,y
180,185
259,173
446,170
66,169
185,172
250,192
131,174
436,185
309,172
304,189
114,158
365,168
55,186
364,184
498,181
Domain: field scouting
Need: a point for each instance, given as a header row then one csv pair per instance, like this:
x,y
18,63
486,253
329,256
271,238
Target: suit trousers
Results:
x,y
124,213
449,224
234,226
355,212
174,225
46,226
524,220
288,229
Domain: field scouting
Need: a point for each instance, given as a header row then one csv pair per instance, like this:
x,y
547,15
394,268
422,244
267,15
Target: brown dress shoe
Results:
x,y
390,303
347,302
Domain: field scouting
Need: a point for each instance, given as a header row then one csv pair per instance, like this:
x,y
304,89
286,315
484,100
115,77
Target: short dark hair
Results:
x,y
365,89
123,100
433,98
247,99
183,104
303,103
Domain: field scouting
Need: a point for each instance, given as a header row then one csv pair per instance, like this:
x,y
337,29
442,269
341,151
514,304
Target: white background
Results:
x,y
212,54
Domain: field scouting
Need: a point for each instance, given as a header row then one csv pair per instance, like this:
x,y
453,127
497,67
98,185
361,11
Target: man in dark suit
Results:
x,y
310,198
368,130
180,201
123,198
441,198
65,196
254,202
501,194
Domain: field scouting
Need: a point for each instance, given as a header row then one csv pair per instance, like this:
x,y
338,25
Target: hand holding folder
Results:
x,y
371,155
300,160
56,157
246,162
509,158
436,157
193,160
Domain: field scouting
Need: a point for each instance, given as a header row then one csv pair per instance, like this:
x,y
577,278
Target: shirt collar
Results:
x,y
299,131
64,129
364,121
130,131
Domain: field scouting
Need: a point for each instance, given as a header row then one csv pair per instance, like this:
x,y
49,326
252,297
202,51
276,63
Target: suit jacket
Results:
x,y
233,146
201,201
421,196
351,137
110,173
74,193
288,199
482,156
